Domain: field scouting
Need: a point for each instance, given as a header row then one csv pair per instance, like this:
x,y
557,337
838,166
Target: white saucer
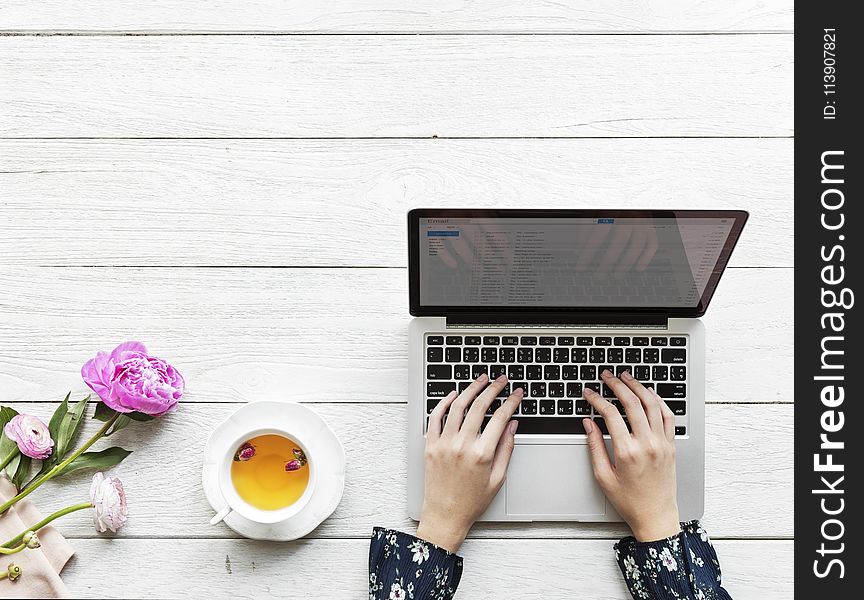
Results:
x,y
329,464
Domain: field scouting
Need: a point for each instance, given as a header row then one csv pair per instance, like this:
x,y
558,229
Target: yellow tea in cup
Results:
x,y
270,472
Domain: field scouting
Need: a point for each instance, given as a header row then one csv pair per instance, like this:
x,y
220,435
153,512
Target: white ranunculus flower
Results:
x,y
109,503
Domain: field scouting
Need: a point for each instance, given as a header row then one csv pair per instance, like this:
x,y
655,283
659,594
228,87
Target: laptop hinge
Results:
x,y
648,319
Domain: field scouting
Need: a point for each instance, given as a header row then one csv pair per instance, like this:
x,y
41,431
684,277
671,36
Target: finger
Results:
x,y
498,423
463,250
668,418
632,405
591,246
503,452
650,403
457,410
474,418
600,463
634,251
649,251
434,429
615,249
446,257
614,422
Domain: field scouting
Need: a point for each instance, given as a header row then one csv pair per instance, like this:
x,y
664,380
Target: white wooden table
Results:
x,y
229,185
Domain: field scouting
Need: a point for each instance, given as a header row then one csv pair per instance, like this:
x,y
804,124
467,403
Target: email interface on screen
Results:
x,y
568,262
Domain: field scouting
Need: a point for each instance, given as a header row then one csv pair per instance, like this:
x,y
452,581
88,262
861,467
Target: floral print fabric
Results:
x,y
682,566
403,567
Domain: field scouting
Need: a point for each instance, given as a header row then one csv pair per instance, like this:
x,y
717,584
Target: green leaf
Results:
x,y
54,429
103,412
22,471
6,445
104,459
6,414
139,416
69,427
121,422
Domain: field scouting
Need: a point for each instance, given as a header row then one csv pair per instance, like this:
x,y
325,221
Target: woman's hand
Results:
x,y
464,468
641,483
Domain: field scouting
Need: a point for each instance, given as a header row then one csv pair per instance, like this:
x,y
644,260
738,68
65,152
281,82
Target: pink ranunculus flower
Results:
x,y
130,380
109,503
31,435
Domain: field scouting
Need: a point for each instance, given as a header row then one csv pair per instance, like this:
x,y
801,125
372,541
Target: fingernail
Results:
x,y
519,391
483,377
588,392
514,426
606,373
501,378
626,376
588,425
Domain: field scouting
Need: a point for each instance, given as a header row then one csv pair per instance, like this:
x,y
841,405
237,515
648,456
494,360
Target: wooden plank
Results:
x,y
748,475
375,16
328,334
320,202
396,86
494,569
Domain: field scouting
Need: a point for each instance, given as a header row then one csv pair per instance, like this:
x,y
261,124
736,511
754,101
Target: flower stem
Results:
x,y
13,550
35,528
9,458
59,467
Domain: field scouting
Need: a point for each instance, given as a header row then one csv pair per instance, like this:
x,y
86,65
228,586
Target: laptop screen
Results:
x,y
601,260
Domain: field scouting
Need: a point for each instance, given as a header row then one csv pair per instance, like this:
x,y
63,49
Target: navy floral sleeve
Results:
x,y
682,566
403,567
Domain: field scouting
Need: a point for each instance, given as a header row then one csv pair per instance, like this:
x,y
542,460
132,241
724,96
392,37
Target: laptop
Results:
x,y
551,298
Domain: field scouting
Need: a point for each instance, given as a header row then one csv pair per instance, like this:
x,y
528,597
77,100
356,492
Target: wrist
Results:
x,y
442,532
658,529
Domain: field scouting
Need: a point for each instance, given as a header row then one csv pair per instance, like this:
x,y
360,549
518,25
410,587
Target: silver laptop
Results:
x,y
551,298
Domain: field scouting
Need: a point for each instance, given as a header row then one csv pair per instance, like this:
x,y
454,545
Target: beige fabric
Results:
x,y
40,577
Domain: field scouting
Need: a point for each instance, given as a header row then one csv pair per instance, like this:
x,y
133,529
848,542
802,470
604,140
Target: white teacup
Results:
x,y
236,503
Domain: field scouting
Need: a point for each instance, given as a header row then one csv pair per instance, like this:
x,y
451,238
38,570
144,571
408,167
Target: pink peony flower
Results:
x,y
109,503
130,380
31,435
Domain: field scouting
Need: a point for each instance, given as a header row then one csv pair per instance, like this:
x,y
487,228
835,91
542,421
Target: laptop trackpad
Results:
x,y
553,481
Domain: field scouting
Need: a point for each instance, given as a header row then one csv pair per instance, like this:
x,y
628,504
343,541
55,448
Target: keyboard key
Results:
x,y
461,372
633,355
528,340
556,389
478,370
658,341
515,372
434,340
496,404
533,372
593,385
551,372
561,355
585,341
439,372
588,372
491,340
543,355
538,389
489,355
640,341
673,355
621,368
528,407
472,340
454,340
510,340
547,407
680,430
463,385
453,355
678,341
602,368
431,403
505,391
579,355
551,426
496,371
642,372
439,389
679,407
581,407
520,384
621,341
672,390
507,355
597,355
565,340
608,392
601,425
547,341
471,354
651,355
434,354
615,355
603,341
574,389
660,373
525,355
570,372
677,373
565,407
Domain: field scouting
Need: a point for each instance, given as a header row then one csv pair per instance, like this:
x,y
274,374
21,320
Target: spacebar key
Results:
x,y
550,425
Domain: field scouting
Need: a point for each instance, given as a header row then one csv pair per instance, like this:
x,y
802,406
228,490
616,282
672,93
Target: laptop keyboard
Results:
x,y
554,372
